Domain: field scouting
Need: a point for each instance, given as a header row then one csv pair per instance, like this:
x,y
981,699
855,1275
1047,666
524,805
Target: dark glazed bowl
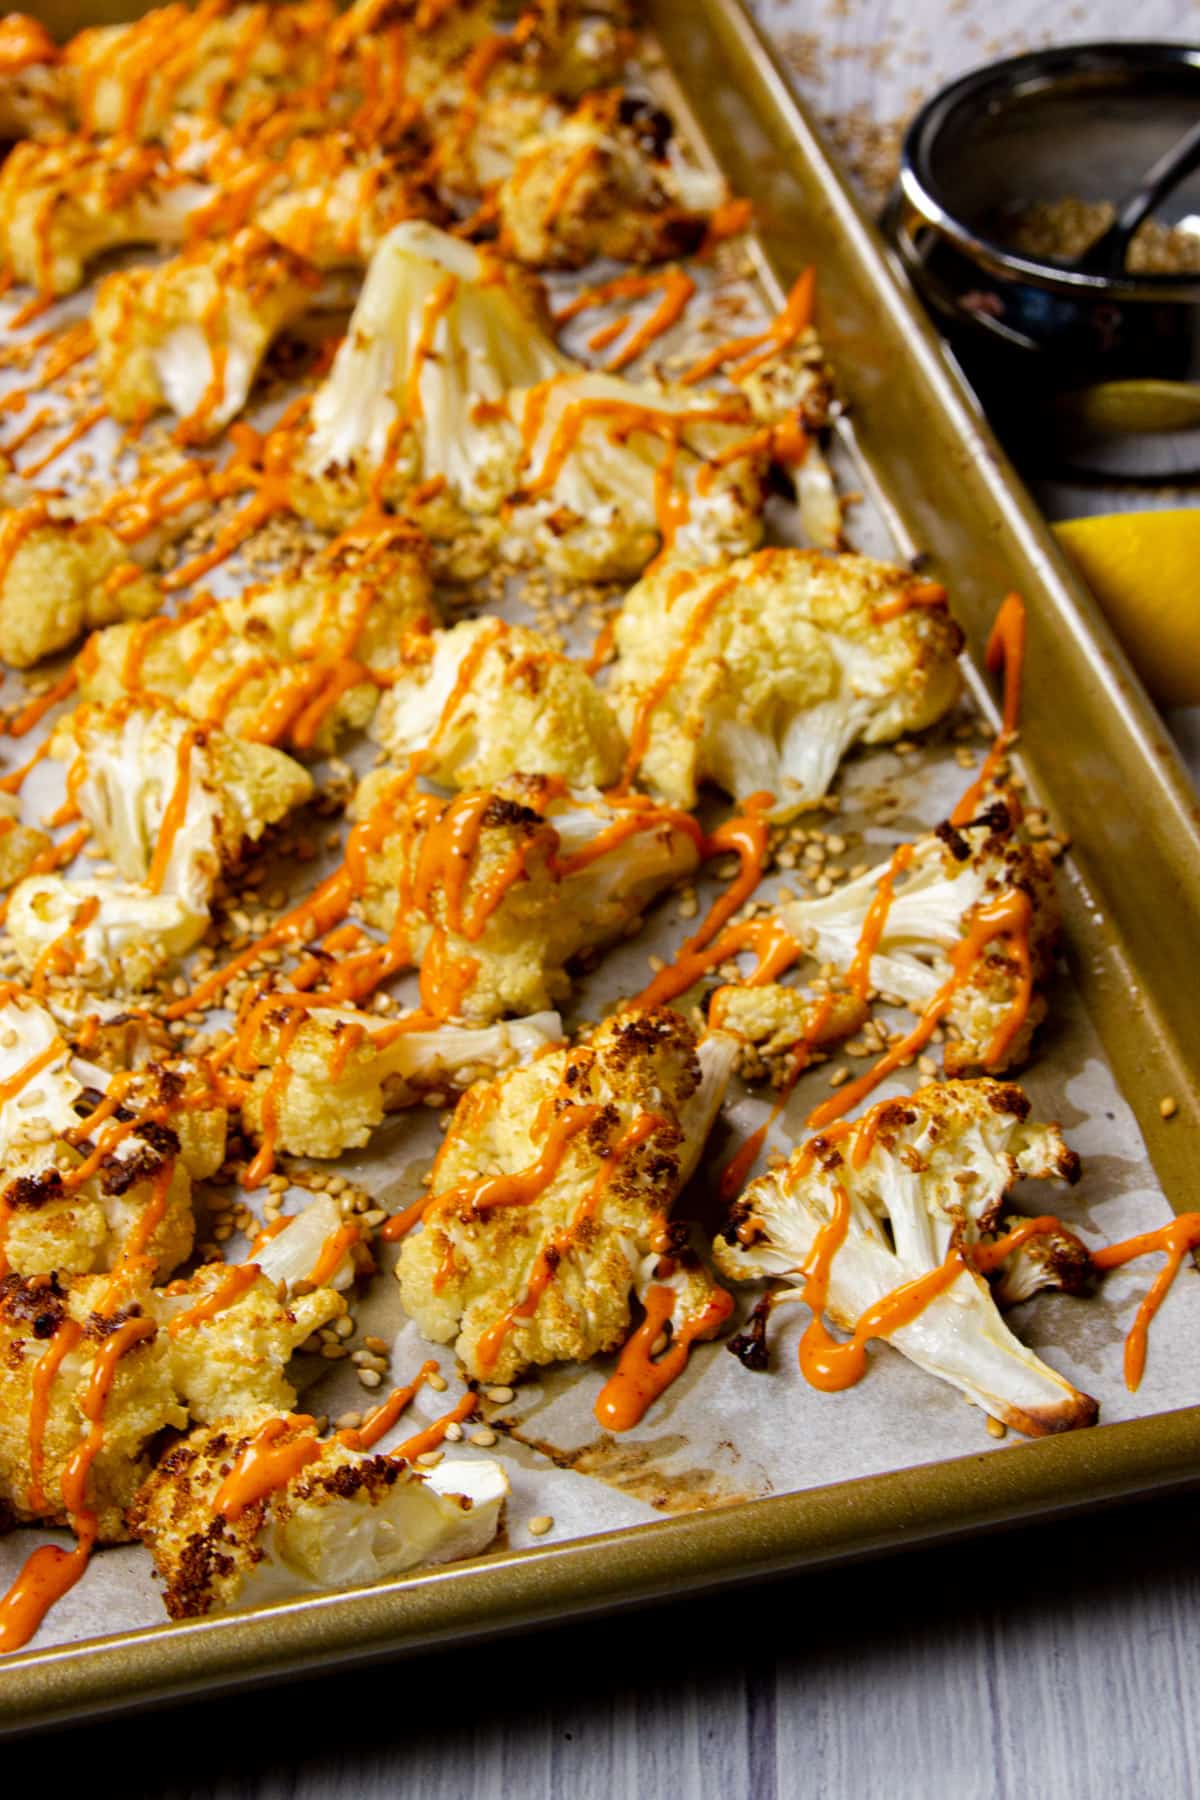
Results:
x,y
1108,363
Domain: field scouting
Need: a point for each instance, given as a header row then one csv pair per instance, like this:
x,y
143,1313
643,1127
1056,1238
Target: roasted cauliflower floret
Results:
x,y
65,1319
228,1355
294,661
494,893
191,334
332,200
608,181
973,917
346,1517
929,1190
136,78
63,204
1053,1258
109,937
759,676
35,100
327,1075
486,699
449,396
171,802
552,1189
775,1019
20,845
60,577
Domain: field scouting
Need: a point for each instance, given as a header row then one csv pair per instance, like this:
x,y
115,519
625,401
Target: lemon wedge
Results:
x,y
1144,569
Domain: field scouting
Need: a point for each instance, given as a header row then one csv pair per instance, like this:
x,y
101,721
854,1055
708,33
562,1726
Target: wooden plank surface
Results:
x,y
1057,1662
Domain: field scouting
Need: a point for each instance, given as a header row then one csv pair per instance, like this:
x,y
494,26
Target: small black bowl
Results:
x,y
1036,334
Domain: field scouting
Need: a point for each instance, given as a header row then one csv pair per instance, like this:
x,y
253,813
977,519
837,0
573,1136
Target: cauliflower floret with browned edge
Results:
x,y
487,699
35,100
928,1183
348,1516
449,398
78,1196
331,200
983,883
106,936
190,334
48,1315
552,1187
63,204
775,1019
172,802
329,1081
760,675
1054,1258
60,577
295,661
608,181
20,845
494,893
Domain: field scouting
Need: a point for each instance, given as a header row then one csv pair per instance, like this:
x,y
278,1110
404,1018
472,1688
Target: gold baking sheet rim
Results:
x,y
1099,758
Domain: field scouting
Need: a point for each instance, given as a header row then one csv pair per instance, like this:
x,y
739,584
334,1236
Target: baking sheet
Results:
x,y
723,1435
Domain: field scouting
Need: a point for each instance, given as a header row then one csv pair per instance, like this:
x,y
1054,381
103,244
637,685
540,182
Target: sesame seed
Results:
x,y
348,1421
429,1459
379,1345
501,1395
996,1427
927,1065
838,1076
454,1431
333,1352
540,1524
1168,1106
483,1438
438,1383
370,1378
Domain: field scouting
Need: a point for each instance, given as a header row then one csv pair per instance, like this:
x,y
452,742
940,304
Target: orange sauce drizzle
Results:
x,y
639,1379
1005,650
921,593
434,1434
858,975
174,813
698,621
747,353
37,708
265,1464
384,1416
676,288
79,429
1175,1239
332,1251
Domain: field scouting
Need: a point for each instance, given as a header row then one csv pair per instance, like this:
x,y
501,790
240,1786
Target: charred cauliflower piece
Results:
x,y
171,802
108,937
932,1184
64,1319
295,661
982,886
78,1197
552,1190
60,577
494,893
345,1518
492,699
1054,1258
760,676
63,204
331,200
191,334
608,181
448,387
329,1080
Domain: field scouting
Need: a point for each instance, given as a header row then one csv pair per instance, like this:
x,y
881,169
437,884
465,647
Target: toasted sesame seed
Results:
x,y
438,1383
927,1065
1168,1106
484,1438
996,1427
333,1352
429,1459
379,1345
501,1395
838,1076
344,1328
348,1421
370,1378
454,1431
540,1524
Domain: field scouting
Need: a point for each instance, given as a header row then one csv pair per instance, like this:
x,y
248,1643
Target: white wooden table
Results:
x,y
1049,1664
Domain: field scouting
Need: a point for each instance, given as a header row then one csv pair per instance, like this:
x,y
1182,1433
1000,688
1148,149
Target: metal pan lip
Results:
x,y
997,83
